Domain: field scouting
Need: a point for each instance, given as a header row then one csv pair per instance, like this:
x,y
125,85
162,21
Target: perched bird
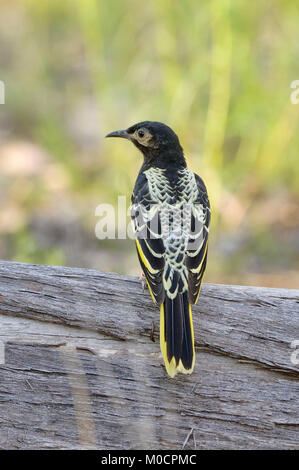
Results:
x,y
171,216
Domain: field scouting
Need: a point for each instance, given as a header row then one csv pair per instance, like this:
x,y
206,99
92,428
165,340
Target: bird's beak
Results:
x,y
123,134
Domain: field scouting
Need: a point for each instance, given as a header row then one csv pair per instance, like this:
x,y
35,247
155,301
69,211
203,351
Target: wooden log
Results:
x,y
80,369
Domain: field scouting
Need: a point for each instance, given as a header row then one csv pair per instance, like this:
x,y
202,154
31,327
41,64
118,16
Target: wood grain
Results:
x,y
81,370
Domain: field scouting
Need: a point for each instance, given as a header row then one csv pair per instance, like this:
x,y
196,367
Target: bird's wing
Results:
x,y
147,227
197,250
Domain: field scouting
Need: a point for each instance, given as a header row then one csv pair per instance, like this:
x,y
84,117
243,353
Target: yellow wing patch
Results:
x,y
147,265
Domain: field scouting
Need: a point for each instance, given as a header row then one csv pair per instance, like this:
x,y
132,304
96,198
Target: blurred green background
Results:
x,y
218,72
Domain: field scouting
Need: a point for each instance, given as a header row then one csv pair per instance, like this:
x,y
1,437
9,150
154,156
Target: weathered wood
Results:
x,y
81,370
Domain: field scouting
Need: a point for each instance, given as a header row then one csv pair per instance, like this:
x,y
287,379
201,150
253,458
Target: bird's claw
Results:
x,y
143,281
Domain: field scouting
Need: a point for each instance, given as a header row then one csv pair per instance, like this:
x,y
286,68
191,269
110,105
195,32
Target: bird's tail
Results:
x,y
176,335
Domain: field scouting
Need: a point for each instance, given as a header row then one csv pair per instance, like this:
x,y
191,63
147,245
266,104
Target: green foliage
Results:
x,y
218,72
26,249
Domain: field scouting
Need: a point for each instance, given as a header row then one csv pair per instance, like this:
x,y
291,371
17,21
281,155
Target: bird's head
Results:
x,y
154,139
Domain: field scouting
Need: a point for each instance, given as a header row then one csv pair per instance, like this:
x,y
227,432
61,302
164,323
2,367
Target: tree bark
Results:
x,y
79,368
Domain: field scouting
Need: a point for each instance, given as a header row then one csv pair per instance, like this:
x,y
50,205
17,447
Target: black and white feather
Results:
x,y
171,216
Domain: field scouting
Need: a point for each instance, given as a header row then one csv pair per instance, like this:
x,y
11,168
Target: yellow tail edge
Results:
x,y
171,366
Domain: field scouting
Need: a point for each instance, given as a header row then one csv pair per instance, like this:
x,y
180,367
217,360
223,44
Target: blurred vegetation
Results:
x,y
218,72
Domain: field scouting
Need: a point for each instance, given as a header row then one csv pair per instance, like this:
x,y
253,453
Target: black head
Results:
x,y
155,140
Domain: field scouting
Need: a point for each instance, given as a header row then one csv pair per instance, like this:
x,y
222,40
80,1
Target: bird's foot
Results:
x,y
143,281
152,334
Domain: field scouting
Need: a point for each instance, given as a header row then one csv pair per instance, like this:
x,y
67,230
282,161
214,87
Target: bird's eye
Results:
x,y
141,134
